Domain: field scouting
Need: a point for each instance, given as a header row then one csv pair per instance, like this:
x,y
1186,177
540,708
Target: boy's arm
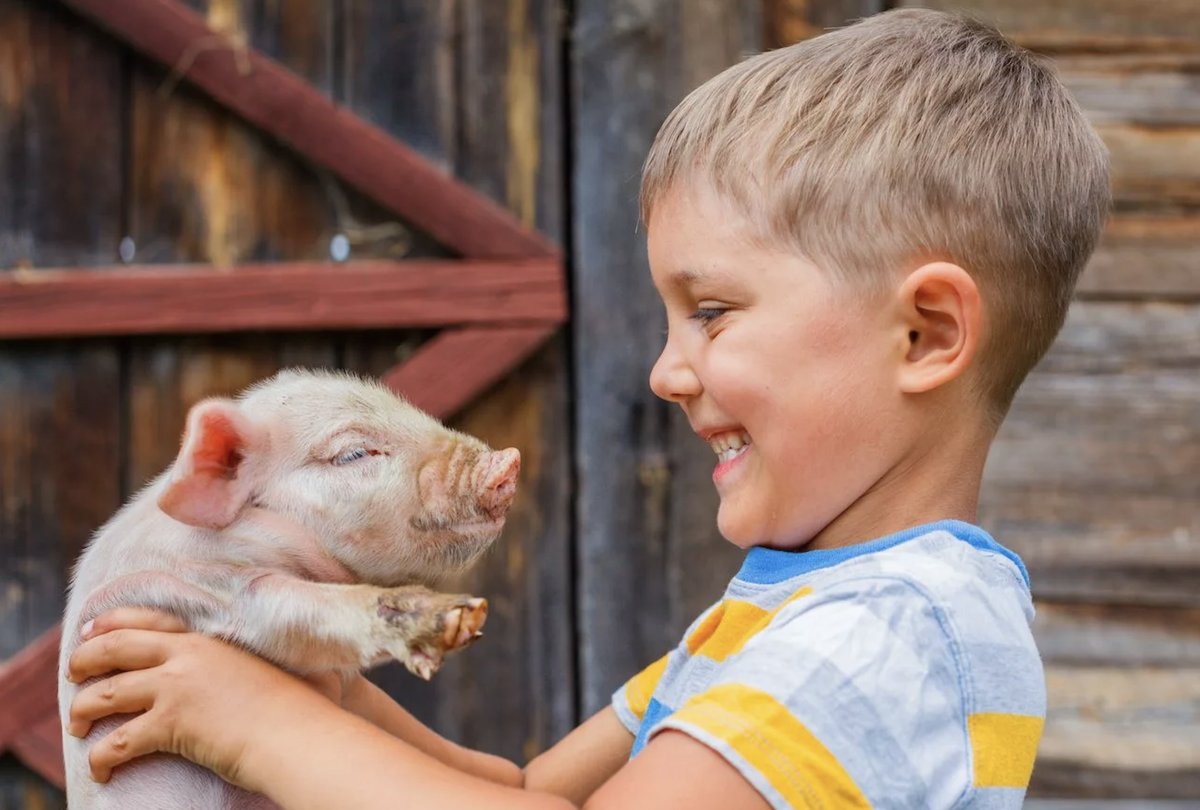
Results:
x,y
582,761
574,768
272,733
371,703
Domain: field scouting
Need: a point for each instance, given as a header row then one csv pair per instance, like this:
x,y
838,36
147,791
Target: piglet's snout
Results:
x,y
498,475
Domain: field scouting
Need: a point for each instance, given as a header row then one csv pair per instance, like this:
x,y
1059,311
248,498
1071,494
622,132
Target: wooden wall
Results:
x,y
549,107
1095,479
97,146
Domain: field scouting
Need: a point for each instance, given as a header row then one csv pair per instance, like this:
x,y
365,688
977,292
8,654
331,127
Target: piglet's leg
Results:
x,y
312,626
154,589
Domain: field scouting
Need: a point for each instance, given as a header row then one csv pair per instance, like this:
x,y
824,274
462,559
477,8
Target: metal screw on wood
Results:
x,y
339,247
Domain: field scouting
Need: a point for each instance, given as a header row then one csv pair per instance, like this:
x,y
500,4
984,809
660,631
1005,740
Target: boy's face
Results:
x,y
791,379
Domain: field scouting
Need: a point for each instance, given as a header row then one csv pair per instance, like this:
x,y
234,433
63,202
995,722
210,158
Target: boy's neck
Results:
x,y
938,480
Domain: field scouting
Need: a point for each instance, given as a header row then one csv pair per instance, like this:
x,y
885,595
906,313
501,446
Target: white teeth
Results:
x,y
729,445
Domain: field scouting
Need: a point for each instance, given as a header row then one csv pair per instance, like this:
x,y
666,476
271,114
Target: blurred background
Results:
x,y
547,107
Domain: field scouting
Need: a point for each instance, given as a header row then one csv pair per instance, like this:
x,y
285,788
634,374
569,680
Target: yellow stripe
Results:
x,y
1003,747
640,687
725,631
776,744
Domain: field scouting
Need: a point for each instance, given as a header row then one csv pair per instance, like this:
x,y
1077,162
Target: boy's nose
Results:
x,y
672,378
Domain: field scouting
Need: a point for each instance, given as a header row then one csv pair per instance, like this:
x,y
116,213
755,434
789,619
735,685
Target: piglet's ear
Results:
x,y
208,485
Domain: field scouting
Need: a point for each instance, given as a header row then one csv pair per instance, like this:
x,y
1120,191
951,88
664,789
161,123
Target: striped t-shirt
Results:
x,y
898,673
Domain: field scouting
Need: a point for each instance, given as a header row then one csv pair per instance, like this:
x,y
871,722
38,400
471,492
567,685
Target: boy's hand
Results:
x,y
197,693
329,684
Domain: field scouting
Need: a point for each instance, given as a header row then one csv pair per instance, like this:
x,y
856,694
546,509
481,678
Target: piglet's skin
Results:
x,y
297,522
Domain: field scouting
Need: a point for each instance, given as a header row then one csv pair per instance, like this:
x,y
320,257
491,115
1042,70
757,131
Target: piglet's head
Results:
x,y
385,489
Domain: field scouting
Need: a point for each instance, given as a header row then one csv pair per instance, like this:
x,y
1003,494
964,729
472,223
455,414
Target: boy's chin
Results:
x,y
733,525
740,528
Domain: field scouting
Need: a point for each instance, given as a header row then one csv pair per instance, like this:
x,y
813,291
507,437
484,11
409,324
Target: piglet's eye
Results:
x,y
352,455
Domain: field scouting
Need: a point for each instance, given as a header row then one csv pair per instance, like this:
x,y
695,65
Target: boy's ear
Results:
x,y
208,485
943,313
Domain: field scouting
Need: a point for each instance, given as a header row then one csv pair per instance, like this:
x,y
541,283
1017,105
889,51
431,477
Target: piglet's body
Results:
x,y
297,522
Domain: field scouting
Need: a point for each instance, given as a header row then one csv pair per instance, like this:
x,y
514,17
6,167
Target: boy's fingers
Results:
x,y
135,618
117,650
134,738
126,693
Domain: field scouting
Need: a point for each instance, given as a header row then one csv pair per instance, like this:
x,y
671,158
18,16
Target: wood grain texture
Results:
x,y
632,64
1120,733
1158,166
277,101
1118,635
786,22
399,72
1094,477
206,187
60,192
279,296
506,143
1146,256
1087,25
510,147
1147,89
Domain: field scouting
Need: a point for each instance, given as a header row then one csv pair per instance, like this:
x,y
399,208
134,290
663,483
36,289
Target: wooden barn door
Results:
x,y
106,158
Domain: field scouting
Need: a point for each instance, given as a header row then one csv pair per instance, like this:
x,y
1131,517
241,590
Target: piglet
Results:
x,y
298,521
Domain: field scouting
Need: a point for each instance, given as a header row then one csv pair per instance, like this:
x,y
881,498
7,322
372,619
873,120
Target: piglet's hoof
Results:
x,y
429,625
461,625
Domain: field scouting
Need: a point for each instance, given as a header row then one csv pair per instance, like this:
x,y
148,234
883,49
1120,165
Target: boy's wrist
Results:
x,y
278,738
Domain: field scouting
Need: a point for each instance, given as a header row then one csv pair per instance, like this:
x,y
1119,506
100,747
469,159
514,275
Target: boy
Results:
x,y
863,242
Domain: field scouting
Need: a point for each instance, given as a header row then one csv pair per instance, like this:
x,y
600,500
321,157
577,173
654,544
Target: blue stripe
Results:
x,y
769,566
655,713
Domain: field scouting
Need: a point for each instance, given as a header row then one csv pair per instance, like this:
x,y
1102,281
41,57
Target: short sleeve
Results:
x,y
633,698
850,698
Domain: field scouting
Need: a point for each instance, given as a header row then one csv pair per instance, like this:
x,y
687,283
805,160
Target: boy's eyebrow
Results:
x,y
686,276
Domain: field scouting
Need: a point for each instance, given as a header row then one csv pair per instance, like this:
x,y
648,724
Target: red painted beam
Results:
x,y
279,102
457,365
354,295
40,747
29,686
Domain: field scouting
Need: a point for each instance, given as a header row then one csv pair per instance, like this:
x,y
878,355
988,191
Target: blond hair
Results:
x,y
911,135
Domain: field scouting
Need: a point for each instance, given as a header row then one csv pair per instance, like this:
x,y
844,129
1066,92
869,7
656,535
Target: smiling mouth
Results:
x,y
729,446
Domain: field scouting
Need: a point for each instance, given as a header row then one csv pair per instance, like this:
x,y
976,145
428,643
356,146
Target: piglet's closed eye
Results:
x,y
208,486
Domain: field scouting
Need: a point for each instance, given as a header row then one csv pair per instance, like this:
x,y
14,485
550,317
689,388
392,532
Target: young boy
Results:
x,y
863,242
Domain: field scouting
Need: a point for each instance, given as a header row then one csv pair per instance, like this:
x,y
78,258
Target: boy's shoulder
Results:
x,y
943,588
953,570
923,637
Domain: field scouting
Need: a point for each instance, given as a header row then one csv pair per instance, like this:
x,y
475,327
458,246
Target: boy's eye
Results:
x,y
706,315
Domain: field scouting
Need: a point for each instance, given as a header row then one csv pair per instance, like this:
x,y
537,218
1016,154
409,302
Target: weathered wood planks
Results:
x,y
649,553
60,146
1151,255
1121,732
278,101
1087,25
1093,476
482,96
206,187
